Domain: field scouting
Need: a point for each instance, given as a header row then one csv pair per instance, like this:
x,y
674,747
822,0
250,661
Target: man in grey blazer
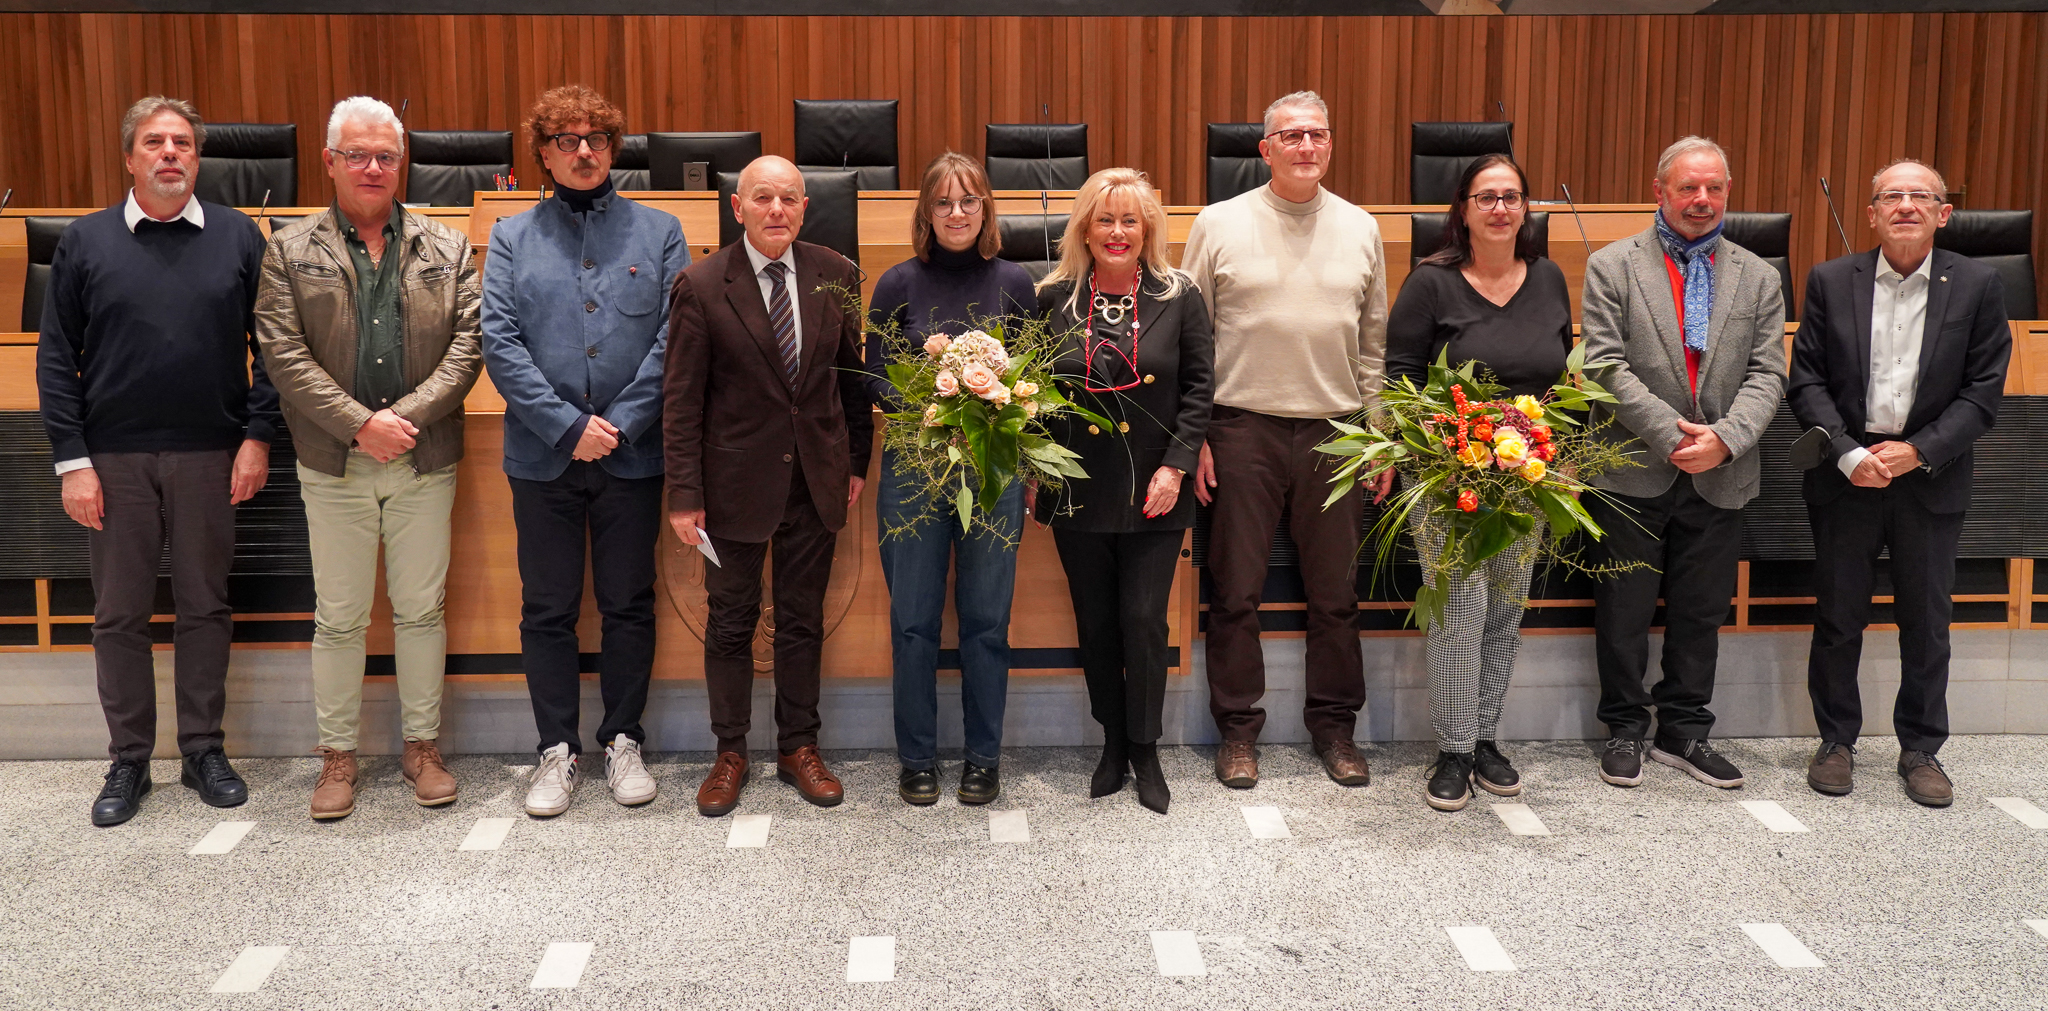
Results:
x,y
1695,326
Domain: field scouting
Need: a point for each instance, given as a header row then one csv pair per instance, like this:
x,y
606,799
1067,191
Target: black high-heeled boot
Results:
x,y
1150,778
1109,772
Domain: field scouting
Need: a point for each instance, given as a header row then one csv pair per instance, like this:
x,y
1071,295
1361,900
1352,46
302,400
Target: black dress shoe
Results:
x,y
1149,777
918,786
118,801
1450,781
1492,771
209,773
1109,772
979,784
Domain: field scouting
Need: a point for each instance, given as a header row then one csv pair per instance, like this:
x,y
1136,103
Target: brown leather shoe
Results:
x,y
422,769
1926,783
334,794
1237,764
720,792
805,769
1343,762
1833,769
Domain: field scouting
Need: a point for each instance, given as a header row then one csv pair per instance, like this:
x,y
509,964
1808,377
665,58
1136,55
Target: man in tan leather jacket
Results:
x,y
367,316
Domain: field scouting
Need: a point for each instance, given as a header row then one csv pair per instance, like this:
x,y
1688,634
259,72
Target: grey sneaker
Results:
x,y
1621,762
626,773
548,793
1698,759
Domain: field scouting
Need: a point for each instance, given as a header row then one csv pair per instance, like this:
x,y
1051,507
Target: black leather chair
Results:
x,y
1768,235
1234,163
449,166
243,161
43,234
1439,152
667,153
1426,233
1032,241
629,164
1032,156
280,222
2004,241
837,134
832,218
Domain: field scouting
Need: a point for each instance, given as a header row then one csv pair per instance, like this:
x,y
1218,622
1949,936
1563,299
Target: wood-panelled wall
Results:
x,y
1792,97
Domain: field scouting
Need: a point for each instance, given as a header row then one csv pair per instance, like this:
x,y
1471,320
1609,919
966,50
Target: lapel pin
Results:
x,y
636,270
1944,277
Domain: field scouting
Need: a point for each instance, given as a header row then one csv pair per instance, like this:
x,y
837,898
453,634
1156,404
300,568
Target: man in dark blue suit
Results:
x,y
1901,358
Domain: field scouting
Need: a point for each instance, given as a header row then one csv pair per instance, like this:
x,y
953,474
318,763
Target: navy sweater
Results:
x,y
147,337
947,294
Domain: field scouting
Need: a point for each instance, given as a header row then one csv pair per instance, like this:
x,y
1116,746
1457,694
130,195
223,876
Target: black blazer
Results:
x,y
1963,355
1168,416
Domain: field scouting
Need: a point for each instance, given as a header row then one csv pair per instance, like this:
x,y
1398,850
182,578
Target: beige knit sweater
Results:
x,y
1297,294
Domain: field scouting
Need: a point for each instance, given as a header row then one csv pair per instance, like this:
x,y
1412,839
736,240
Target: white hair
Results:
x,y
363,109
1687,145
1293,100
1939,183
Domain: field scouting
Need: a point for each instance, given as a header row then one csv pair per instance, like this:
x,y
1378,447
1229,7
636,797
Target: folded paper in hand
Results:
x,y
704,545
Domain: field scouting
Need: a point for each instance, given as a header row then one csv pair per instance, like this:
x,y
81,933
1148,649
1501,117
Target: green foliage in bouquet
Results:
x,y
1487,470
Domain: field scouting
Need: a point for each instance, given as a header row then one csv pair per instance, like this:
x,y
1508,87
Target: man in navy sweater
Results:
x,y
159,426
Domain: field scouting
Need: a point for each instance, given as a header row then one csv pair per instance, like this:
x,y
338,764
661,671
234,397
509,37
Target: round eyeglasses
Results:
x,y
1512,200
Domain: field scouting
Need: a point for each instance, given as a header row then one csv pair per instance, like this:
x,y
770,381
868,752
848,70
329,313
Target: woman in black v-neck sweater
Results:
x,y
1521,345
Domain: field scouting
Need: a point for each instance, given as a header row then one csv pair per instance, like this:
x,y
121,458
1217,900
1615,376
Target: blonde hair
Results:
x,y
954,165
1076,262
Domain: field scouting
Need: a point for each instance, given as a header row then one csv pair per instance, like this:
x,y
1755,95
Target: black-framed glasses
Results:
x,y
1487,200
569,142
943,207
1319,137
357,159
1892,198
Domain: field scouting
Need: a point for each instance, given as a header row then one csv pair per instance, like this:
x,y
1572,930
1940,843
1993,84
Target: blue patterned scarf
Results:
x,y
1695,265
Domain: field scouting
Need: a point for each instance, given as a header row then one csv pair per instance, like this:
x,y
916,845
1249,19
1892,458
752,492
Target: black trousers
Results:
x,y
150,497
622,519
1689,548
803,568
1848,534
1120,583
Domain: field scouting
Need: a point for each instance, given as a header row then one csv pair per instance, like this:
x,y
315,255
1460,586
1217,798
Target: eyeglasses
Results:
x,y
1294,138
1891,198
1512,199
357,159
569,142
943,207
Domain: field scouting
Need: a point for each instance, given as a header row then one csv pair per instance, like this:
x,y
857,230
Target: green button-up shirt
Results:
x,y
380,344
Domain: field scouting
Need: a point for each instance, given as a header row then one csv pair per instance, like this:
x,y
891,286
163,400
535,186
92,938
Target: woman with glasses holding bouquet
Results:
x,y
1138,353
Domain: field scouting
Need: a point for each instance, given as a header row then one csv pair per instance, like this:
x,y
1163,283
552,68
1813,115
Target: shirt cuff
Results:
x,y
67,466
1849,460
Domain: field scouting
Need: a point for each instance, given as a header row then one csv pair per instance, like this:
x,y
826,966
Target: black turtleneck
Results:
x,y
580,200
948,293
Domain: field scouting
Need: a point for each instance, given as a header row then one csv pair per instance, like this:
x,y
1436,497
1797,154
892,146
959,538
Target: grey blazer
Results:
x,y
1628,315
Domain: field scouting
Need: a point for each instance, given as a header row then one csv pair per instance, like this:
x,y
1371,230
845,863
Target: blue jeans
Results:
x,y
914,565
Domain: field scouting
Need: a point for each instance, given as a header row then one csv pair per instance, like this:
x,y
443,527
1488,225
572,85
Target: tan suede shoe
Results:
x,y
334,795
422,768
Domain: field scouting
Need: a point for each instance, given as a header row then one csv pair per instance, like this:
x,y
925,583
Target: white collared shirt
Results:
x,y
1898,323
787,259
133,214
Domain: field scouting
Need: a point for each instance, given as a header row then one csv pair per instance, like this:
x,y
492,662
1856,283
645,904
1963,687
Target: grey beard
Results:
x,y
167,192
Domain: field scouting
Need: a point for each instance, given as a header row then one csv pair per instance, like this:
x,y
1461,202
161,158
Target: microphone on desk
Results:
x,y
1576,220
7,199
262,212
1045,198
1839,230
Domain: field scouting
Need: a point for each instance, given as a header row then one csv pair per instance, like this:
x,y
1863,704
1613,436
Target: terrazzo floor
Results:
x,y
1635,899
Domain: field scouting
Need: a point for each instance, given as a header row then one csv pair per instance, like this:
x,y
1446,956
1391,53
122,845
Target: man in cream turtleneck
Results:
x,y
1296,284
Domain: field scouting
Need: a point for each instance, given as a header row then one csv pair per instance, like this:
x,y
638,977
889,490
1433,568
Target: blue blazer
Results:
x,y
574,325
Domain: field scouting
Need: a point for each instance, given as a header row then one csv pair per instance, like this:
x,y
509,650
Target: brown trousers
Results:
x,y
803,567
151,496
1267,465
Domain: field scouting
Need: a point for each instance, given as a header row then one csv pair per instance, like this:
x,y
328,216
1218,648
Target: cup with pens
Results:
x,y
505,182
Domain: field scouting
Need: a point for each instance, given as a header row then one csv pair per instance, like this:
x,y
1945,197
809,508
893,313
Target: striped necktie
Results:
x,y
781,318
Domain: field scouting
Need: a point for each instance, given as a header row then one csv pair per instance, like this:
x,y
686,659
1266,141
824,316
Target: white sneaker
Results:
x,y
626,773
553,783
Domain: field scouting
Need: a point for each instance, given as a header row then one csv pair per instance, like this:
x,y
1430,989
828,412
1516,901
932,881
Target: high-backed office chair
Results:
x,y
43,234
1031,156
668,153
449,166
831,220
1032,241
1768,235
2004,241
280,222
1426,231
629,163
1234,163
243,161
1439,152
852,134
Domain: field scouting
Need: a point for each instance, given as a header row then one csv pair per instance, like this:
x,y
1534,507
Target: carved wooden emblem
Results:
x,y
682,571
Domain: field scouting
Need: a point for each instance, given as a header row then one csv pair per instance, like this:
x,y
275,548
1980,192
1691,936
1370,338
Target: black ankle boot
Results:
x,y
1150,779
1116,759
